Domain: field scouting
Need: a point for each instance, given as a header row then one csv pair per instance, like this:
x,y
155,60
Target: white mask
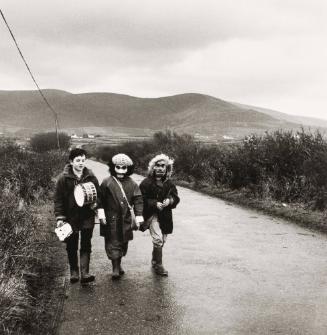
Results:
x,y
121,171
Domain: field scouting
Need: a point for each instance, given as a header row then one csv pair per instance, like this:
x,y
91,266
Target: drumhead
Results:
x,y
79,195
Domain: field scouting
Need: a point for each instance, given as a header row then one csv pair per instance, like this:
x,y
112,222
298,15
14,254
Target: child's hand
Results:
x,y
103,221
60,223
160,206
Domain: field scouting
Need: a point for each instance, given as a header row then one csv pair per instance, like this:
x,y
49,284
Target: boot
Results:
x,y
158,267
153,260
74,275
115,269
73,265
85,262
121,270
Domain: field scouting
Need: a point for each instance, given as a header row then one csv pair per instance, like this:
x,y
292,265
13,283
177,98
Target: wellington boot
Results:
x,y
160,270
153,260
74,276
121,270
85,262
115,269
158,267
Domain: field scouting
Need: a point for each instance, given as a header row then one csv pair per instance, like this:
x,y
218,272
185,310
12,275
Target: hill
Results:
x,y
193,113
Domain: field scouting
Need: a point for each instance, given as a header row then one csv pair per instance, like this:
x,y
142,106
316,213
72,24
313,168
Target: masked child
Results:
x,y
119,193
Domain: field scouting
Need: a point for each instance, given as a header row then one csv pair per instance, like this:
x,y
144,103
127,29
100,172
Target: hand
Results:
x,y
166,202
160,206
103,222
139,220
60,223
144,226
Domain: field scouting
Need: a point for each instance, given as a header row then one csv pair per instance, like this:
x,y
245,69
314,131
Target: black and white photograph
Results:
x,y
163,167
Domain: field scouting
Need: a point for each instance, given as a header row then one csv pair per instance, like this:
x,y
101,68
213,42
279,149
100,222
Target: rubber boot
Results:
x,y
115,269
85,262
158,267
153,260
121,270
73,265
74,275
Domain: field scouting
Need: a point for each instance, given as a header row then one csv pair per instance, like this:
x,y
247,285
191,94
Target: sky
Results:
x,y
267,53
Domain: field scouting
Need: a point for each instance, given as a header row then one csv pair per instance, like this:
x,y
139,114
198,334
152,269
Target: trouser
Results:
x,y
72,246
115,247
158,239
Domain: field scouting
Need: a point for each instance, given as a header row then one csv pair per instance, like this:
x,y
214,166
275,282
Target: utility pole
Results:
x,y
30,72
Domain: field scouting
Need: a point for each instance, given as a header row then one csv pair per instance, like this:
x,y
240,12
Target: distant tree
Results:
x,y
43,142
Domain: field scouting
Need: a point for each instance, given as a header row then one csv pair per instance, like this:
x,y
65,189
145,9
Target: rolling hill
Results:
x,y
25,111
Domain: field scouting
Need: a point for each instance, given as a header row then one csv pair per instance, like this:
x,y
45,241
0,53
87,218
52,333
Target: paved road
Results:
x,y
231,271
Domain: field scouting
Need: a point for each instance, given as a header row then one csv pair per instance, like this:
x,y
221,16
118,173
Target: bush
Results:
x,y
26,179
48,141
283,165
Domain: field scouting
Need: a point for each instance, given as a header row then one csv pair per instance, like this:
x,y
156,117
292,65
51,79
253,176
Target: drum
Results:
x,y
85,194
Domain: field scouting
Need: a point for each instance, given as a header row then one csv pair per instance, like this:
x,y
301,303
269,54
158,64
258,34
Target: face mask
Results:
x,y
160,168
121,171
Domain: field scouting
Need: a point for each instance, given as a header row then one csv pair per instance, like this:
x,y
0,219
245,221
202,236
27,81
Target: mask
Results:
x,y
121,171
160,168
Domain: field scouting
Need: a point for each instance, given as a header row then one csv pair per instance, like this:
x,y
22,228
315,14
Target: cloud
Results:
x,y
270,52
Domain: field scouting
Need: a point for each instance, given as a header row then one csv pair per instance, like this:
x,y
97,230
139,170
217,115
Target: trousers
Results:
x,y
158,239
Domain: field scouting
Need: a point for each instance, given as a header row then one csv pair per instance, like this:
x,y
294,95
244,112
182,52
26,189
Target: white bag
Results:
x,y
64,231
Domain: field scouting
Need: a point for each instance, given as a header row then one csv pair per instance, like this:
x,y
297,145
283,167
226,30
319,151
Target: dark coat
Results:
x,y
116,208
153,193
65,206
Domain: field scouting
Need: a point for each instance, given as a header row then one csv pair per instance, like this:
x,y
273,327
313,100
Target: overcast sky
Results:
x,y
268,53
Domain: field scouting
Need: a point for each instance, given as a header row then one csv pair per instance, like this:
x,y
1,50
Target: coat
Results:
x,y
65,206
116,208
153,193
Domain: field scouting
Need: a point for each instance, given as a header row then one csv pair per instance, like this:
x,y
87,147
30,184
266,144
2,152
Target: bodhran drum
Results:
x,y
85,194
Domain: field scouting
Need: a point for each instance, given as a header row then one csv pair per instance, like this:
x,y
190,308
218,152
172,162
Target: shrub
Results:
x,y
25,180
284,165
48,141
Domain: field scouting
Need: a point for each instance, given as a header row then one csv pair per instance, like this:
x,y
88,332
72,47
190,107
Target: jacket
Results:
x,y
153,193
116,208
65,206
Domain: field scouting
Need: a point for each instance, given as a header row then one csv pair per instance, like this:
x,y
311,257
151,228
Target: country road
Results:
x,y
232,271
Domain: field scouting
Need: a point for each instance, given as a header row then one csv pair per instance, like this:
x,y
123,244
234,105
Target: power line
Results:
x,y
31,74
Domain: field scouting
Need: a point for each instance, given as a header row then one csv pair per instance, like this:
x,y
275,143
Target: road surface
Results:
x,y
232,271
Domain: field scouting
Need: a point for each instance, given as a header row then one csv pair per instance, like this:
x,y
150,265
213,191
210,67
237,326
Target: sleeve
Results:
x,y
99,197
102,193
59,200
148,202
173,195
137,200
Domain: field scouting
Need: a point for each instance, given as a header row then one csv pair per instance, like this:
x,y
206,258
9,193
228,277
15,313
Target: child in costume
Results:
x,y
160,197
119,194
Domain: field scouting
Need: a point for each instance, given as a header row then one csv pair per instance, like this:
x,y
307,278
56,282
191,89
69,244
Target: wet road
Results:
x,y
231,271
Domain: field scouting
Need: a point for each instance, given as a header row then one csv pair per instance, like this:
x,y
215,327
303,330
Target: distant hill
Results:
x,y
303,120
193,113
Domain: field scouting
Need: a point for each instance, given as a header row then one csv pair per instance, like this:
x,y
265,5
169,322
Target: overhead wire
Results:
x,y
33,78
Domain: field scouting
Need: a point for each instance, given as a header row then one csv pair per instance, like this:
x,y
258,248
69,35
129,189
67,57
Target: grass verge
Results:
x,y
31,297
297,213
